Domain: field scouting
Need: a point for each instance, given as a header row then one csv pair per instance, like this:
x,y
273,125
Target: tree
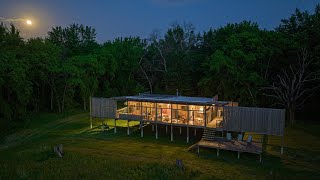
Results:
x,y
173,57
120,59
233,69
15,84
295,85
74,41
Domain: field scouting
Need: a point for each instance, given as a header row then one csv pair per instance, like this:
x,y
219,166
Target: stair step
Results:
x,y
209,134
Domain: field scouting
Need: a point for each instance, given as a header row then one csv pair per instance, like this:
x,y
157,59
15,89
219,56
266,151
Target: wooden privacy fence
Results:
x,y
103,108
258,120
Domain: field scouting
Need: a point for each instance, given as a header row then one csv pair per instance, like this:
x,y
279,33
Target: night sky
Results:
x,y
115,18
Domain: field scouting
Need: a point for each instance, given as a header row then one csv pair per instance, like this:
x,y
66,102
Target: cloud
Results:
x,y
11,19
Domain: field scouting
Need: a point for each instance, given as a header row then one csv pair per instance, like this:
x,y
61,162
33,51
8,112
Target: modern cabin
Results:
x,y
197,112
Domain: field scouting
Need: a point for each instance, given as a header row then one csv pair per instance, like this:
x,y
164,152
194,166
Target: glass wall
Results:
x,y
148,111
196,115
164,112
178,114
134,108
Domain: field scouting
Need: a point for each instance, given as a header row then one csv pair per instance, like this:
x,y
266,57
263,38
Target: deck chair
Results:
x,y
240,137
229,136
249,140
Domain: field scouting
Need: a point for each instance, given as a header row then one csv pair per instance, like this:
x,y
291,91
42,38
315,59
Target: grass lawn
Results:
x,y
90,153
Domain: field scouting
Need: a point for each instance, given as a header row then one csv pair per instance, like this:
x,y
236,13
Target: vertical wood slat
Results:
x,y
103,108
259,120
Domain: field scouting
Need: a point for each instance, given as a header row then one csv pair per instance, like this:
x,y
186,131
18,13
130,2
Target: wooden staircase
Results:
x,y
209,134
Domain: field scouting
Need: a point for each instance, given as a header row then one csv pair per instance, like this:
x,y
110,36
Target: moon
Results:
x,y
29,22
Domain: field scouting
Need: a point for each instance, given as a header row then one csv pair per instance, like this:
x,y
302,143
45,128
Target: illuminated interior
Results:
x,y
183,114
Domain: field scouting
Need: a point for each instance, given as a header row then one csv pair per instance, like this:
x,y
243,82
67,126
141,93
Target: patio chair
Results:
x,y
240,137
249,140
229,136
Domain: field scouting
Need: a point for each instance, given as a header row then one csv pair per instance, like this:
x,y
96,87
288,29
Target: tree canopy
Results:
x,y
238,62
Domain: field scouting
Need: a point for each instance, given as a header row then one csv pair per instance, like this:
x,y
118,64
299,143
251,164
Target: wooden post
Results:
x,y
171,133
166,128
198,150
188,134
238,154
195,131
152,127
180,130
90,104
156,131
128,131
115,125
217,152
141,124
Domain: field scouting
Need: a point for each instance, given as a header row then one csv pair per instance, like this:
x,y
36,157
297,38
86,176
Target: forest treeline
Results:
x,y
239,62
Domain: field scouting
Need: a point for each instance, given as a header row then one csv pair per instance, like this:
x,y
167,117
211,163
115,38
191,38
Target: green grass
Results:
x,y
90,153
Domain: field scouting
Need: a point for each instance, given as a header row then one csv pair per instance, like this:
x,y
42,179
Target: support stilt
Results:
x,y
90,104
171,133
152,127
282,140
238,154
141,124
156,131
128,130
198,150
180,130
115,126
166,128
217,152
195,131
188,134
260,160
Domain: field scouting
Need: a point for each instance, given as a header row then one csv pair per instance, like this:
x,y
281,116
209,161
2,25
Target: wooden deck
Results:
x,y
233,145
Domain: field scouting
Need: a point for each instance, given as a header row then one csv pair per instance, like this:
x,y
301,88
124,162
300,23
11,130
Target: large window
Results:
x,y
164,112
196,115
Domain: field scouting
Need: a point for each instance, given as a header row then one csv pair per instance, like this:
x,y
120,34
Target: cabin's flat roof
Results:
x,y
159,98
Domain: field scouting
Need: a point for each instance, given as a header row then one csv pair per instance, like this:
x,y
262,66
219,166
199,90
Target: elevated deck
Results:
x,y
232,145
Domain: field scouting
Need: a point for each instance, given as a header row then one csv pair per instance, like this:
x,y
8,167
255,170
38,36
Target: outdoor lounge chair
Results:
x,y
104,127
229,136
249,140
